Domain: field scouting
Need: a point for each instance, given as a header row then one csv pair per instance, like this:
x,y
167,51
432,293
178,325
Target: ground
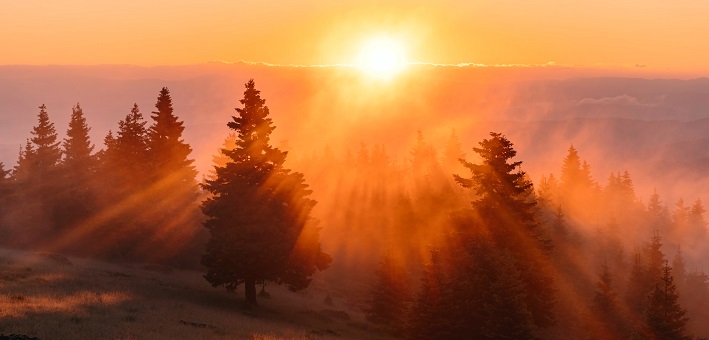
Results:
x,y
51,296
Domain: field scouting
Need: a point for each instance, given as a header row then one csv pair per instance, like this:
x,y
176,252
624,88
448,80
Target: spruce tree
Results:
x,y
605,299
389,294
505,207
637,287
258,214
127,153
659,217
124,164
605,303
78,147
78,169
655,259
38,169
665,317
168,151
44,137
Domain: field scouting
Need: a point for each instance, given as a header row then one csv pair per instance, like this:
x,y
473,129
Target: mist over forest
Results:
x,y
573,196
620,120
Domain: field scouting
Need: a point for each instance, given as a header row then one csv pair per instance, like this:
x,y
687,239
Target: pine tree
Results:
x,y
126,154
5,187
504,208
389,294
605,299
605,303
659,218
38,174
680,219
637,287
679,269
124,165
571,172
168,152
696,224
427,317
78,147
78,169
259,213
174,214
655,259
47,153
665,317
24,167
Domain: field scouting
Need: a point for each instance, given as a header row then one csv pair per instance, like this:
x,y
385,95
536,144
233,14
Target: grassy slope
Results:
x,y
52,297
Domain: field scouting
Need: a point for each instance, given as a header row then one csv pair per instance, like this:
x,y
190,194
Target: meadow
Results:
x,y
51,296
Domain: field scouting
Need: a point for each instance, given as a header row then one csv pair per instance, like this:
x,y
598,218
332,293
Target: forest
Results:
x,y
447,241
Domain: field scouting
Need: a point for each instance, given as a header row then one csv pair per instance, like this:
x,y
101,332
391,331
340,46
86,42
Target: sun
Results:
x,y
382,57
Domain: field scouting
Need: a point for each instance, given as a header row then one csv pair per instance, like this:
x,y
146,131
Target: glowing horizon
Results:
x,y
79,32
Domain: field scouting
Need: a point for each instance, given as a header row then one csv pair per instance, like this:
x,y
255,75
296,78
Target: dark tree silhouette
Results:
x,y
605,299
44,137
173,191
472,290
78,169
36,175
389,294
605,305
426,319
506,209
125,159
259,213
665,317
78,147
168,152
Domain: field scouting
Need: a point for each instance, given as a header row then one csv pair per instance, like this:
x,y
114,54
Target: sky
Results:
x,y
657,34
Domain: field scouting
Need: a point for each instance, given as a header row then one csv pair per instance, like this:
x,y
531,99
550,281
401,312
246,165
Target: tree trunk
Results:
x,y
250,292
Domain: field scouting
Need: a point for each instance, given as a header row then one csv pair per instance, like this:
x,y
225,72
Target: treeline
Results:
x,y
557,256
438,244
134,199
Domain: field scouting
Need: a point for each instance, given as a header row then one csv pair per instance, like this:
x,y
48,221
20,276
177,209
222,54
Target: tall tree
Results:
x,y
605,303
390,293
78,147
38,169
679,269
126,155
696,224
659,217
259,213
665,317
78,170
503,207
173,185
168,151
44,137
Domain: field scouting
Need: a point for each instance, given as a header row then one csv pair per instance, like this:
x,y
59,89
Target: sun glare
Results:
x,y
382,57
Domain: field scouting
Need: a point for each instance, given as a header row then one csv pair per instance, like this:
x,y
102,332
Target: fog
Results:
x,y
380,155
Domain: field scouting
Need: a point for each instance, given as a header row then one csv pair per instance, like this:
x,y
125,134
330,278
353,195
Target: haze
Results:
x,y
477,169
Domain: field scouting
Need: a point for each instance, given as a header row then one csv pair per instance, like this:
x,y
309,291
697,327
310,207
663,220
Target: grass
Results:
x,y
50,296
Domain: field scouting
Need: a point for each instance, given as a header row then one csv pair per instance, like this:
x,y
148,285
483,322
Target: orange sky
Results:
x,y
660,34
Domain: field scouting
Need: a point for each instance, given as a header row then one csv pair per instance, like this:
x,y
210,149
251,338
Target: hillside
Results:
x,y
50,296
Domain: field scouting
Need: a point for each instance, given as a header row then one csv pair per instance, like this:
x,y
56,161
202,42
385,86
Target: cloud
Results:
x,y
617,100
